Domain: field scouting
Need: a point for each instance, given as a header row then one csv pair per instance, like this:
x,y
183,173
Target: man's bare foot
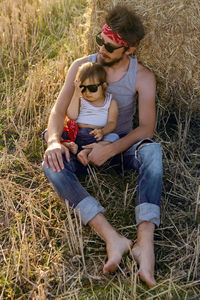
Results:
x,y
116,247
73,147
144,256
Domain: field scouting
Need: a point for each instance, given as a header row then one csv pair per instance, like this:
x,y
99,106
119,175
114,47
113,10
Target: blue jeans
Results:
x,y
147,160
84,137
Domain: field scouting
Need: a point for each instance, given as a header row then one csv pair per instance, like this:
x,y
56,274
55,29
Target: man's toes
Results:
x,y
111,266
147,278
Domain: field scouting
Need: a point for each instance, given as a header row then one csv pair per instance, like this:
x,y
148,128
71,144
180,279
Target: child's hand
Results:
x,y
77,90
98,133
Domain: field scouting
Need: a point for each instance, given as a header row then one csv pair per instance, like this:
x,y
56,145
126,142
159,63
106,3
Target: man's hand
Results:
x,y
98,133
53,156
83,156
100,153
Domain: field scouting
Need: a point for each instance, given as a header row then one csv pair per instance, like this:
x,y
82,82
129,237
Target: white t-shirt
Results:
x,y
94,115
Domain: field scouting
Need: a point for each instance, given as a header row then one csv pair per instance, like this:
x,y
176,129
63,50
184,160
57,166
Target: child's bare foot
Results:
x,y
73,147
83,156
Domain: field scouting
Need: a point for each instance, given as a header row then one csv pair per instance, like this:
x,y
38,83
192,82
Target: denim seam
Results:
x,y
139,158
139,161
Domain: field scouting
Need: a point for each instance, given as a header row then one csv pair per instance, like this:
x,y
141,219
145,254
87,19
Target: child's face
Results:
x,y
92,96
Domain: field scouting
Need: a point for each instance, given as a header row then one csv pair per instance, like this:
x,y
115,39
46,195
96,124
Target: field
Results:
x,y
44,251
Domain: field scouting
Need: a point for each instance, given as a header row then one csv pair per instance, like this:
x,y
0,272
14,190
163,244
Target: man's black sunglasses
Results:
x,y
108,47
91,87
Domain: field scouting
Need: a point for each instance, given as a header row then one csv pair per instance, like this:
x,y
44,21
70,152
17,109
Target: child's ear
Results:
x,y
104,85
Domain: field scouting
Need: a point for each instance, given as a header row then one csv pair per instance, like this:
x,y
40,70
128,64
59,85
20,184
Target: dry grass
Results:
x,y
170,47
44,252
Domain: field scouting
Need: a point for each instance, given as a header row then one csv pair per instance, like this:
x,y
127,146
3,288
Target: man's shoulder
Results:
x,y
76,64
80,61
90,58
144,78
144,71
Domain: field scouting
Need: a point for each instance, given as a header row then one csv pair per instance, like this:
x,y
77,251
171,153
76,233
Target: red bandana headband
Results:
x,y
115,37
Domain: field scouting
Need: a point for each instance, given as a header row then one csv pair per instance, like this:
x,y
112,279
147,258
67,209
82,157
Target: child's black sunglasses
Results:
x,y
108,47
91,87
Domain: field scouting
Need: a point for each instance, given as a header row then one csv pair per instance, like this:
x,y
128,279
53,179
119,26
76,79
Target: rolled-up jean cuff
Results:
x,y
88,208
147,212
110,137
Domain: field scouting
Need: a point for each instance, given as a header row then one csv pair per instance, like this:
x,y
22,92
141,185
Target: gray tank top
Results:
x,y
123,91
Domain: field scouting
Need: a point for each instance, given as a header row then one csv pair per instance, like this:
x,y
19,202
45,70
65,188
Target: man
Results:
x,y
126,77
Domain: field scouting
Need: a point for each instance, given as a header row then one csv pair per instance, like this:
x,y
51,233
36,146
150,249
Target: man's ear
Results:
x,y
130,50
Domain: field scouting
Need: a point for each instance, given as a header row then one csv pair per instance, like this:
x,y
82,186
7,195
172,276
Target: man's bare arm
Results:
x,y
146,88
112,118
53,154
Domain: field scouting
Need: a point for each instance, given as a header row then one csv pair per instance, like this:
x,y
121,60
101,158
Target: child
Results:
x,y
94,111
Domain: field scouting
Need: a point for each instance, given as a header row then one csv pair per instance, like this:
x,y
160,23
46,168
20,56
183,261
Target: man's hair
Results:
x,y
126,23
92,71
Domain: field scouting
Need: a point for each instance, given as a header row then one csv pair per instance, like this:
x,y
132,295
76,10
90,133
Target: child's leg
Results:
x,y
73,147
111,137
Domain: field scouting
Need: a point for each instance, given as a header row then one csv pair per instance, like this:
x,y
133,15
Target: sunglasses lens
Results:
x,y
92,88
109,48
83,88
99,41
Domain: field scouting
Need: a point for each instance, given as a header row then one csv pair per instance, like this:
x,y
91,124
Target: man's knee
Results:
x,y
141,145
68,167
152,148
144,142
151,157
50,174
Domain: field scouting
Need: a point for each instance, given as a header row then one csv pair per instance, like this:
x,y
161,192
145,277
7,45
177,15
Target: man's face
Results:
x,y
107,58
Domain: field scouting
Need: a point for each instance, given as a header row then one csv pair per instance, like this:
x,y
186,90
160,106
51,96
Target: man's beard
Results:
x,y
111,63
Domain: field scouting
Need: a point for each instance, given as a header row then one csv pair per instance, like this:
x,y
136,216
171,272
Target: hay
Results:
x,y
170,48
44,252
